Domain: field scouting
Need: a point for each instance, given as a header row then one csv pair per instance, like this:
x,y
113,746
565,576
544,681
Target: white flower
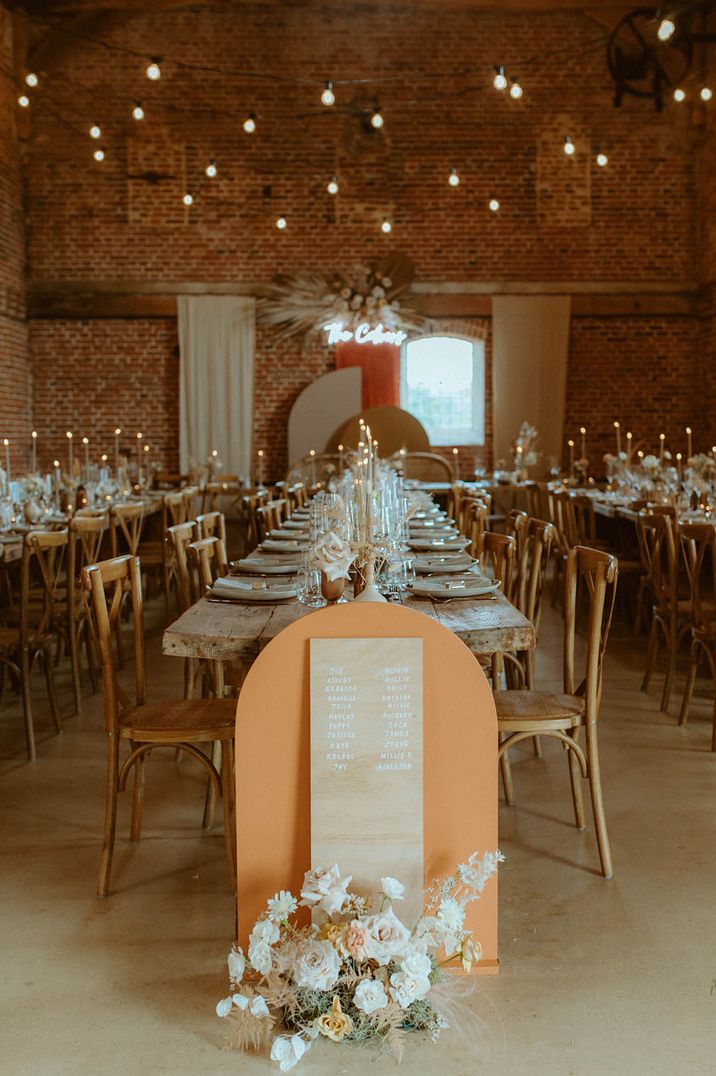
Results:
x,y
282,905
370,996
393,889
259,1007
334,556
261,957
224,1007
416,964
451,919
317,966
385,937
377,292
407,988
325,889
356,302
288,1051
237,964
387,282
264,931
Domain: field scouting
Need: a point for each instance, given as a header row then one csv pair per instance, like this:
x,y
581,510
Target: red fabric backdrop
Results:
x,y
380,364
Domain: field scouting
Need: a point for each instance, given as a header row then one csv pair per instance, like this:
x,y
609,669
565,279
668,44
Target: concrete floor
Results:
x,y
598,977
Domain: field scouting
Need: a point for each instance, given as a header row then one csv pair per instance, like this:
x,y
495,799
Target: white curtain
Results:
x,y
530,344
217,341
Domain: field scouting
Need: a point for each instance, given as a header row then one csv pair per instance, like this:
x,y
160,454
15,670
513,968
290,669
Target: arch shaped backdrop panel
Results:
x,y
327,402
392,427
273,765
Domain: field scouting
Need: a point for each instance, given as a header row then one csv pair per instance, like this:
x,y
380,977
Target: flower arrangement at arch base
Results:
x,y
356,974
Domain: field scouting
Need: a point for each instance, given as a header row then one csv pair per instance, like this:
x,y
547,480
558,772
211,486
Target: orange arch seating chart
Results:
x,y
273,760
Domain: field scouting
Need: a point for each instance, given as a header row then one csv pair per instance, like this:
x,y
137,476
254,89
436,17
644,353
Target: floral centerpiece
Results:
x,y
356,973
701,473
524,448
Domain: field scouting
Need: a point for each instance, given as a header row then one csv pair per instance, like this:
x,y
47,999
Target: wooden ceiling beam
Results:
x,y
51,8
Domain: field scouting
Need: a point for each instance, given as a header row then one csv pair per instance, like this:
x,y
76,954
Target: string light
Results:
x,y
679,94
493,205
376,120
138,112
281,223
666,29
454,178
211,169
154,71
602,160
516,90
569,146
328,97
386,227
95,131
250,124
98,154
23,101
31,79
332,186
500,79
706,94
188,199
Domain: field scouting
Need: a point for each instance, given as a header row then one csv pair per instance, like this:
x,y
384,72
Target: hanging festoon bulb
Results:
x,y
250,124
31,79
493,205
328,97
666,29
500,79
188,199
569,146
23,101
211,169
154,72
679,95
137,111
98,155
281,223
602,159
332,185
376,119
516,90
706,93
386,227
95,131
454,178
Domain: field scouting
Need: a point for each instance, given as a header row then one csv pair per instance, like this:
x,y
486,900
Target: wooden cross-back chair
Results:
x,y
179,537
522,715
39,622
86,534
270,516
527,595
517,526
145,726
496,553
212,524
209,556
175,505
670,612
475,525
698,546
427,467
296,495
247,518
126,524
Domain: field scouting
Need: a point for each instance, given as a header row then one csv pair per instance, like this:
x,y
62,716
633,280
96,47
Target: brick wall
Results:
x,y
15,367
561,219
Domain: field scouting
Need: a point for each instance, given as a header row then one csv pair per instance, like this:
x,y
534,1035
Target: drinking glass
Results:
x,y
308,587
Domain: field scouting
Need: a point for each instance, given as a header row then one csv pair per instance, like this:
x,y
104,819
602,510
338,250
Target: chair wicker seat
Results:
x,y
523,707
197,719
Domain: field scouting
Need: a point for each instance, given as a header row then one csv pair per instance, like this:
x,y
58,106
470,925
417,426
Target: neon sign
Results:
x,y
363,334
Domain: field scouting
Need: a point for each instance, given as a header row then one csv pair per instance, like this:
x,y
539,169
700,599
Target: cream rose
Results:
x,y
370,996
317,966
333,555
386,936
325,889
407,988
335,1024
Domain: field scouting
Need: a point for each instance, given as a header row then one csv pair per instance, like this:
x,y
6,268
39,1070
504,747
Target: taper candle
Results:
x,y
689,453
571,456
6,442
117,432
455,464
678,464
85,442
34,451
629,446
70,455
618,429
583,431
662,438
261,467
340,458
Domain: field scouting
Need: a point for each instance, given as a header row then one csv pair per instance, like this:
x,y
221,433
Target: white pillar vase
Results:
x,y
370,593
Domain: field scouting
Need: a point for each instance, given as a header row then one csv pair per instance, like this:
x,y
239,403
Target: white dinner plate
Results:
x,y
436,532
455,588
450,543
288,536
426,565
235,589
277,545
260,565
295,524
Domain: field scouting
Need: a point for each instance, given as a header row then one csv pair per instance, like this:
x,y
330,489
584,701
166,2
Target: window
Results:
x,y
442,383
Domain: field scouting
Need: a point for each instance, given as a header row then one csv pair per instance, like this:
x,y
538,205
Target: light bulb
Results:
x,y
138,112
281,223
376,120
188,199
250,124
153,71
516,90
98,154
706,94
332,186
454,178
602,160
666,29
328,97
500,79
95,131
31,79
386,227
569,147
679,94
493,205
23,101
211,169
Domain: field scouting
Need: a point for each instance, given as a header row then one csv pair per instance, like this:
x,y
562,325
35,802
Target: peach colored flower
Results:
x,y
335,1024
352,941
330,932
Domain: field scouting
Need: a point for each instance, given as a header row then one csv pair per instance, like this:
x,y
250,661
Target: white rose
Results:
x,y
407,988
450,920
393,889
264,931
416,964
317,966
261,957
334,556
288,1051
370,996
237,964
223,1008
325,889
385,937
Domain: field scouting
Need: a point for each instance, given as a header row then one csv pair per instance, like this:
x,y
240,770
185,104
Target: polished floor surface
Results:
x,y
598,977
